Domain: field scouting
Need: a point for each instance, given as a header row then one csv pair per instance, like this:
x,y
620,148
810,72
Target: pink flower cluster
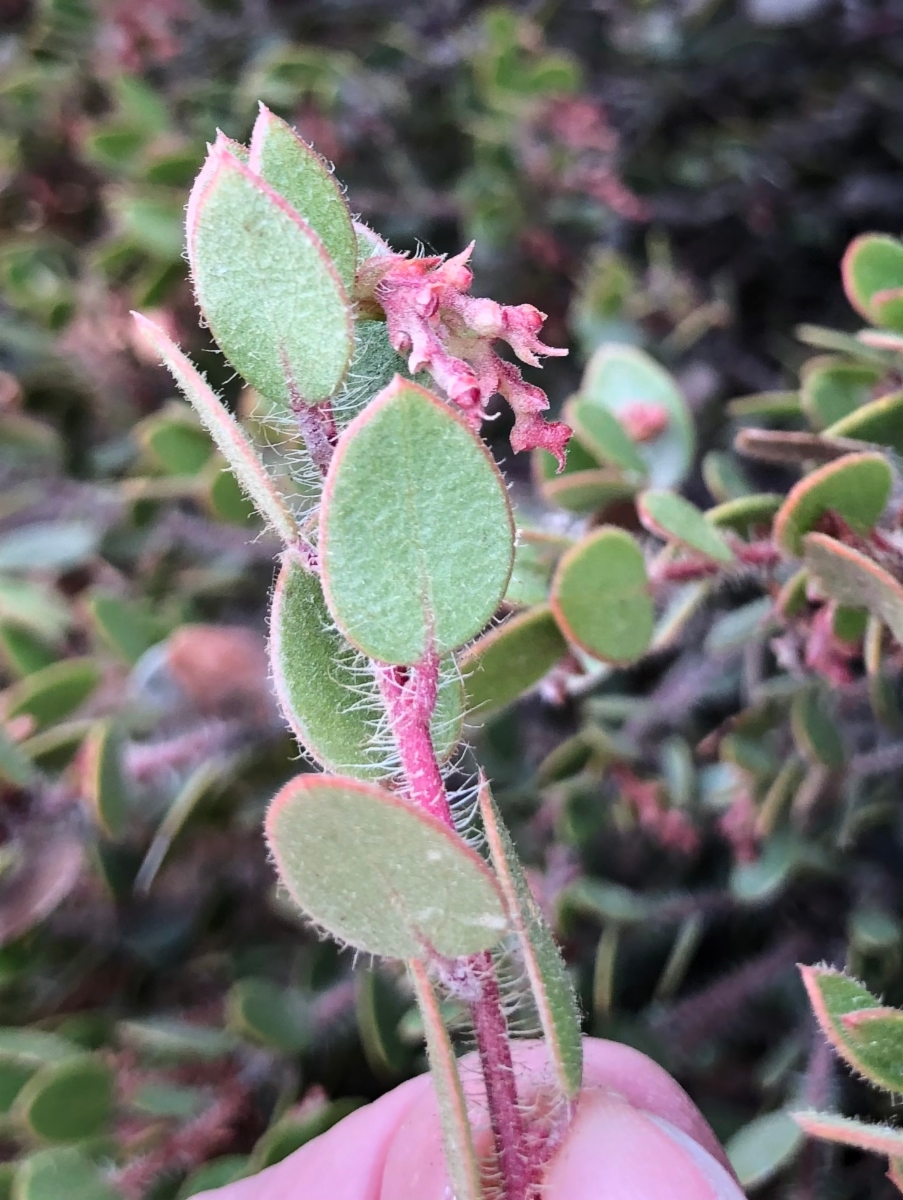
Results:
x,y
439,327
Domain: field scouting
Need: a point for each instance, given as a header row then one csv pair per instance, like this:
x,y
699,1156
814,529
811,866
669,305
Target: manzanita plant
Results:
x,y
398,549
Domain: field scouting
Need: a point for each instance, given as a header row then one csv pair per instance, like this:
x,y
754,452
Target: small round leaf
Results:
x,y
508,661
872,264
380,875
68,1101
328,693
853,579
620,377
855,487
601,599
416,534
674,519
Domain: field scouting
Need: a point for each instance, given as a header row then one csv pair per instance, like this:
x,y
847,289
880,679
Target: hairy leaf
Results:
x,y
416,534
274,302
327,691
380,875
549,982
231,440
293,169
854,579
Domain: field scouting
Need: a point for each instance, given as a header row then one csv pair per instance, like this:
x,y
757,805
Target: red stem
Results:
x,y
409,694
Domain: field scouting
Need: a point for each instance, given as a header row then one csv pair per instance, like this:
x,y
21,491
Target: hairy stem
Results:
x,y
316,425
508,1132
409,694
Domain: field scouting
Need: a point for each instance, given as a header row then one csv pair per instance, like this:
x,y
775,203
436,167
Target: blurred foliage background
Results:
x,y
681,175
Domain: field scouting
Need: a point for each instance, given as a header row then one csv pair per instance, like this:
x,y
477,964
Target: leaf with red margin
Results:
x,y
273,299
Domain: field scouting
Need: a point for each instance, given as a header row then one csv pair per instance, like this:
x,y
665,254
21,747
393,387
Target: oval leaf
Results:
x,y
880,422
328,694
293,169
873,263
61,1171
380,875
416,534
622,377
675,519
602,434
510,660
601,599
274,302
855,487
855,580
833,387
68,1101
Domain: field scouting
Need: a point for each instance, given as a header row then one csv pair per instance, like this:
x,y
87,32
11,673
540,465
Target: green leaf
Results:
x,y
745,514
619,377
552,991
601,599
764,1147
225,498
22,652
866,1035
855,487
292,1132
380,1007
831,1127
274,302
274,1016
293,169
880,422
602,434
127,627
214,1174
34,606
783,860
674,519
328,693
853,579
34,1048
52,694
587,491
460,1153
416,535
534,560
872,264
61,1171
175,441
367,867
103,783
231,440
15,765
173,1040
49,546
724,477
576,460
68,1101
815,731
770,405
833,387
511,659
